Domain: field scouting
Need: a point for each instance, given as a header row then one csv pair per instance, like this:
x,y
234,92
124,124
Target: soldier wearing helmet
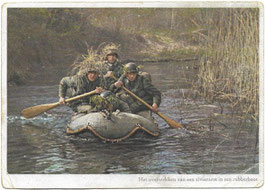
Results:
x,y
111,53
88,80
113,67
131,68
139,85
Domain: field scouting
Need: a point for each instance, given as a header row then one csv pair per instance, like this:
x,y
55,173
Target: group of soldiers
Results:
x,y
109,95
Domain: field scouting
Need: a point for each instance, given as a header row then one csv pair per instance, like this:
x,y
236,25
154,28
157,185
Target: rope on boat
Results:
x,y
112,140
149,132
88,127
68,131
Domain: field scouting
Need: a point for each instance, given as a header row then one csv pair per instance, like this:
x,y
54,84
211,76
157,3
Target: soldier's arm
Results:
x,y
115,87
65,84
153,91
119,72
122,78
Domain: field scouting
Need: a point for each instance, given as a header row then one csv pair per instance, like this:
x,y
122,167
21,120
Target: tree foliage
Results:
x,y
43,37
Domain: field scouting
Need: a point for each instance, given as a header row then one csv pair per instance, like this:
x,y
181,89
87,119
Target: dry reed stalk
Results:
x,y
97,57
230,68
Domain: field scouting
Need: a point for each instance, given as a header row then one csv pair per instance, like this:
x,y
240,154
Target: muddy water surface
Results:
x,y
211,142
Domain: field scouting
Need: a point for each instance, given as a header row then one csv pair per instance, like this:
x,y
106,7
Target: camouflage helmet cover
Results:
x,y
112,52
131,68
90,68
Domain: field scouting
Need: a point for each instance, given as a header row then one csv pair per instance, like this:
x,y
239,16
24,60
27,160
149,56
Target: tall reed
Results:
x,y
229,69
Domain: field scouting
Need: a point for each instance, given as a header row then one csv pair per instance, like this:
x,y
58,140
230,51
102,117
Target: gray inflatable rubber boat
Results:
x,y
119,126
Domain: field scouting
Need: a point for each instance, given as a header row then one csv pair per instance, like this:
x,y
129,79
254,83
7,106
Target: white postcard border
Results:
x,y
125,180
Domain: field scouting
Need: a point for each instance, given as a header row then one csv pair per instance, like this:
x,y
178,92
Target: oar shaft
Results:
x,y
37,110
171,122
80,96
135,96
138,98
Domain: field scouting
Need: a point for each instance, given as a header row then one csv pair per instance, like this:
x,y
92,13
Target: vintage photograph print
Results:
x,y
132,95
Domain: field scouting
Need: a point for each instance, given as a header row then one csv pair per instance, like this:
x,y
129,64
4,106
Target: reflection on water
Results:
x,y
41,146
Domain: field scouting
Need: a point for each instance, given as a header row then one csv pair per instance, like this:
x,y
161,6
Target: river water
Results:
x,y
214,140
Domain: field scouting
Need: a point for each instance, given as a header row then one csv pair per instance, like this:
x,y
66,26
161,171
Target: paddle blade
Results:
x,y
169,121
37,110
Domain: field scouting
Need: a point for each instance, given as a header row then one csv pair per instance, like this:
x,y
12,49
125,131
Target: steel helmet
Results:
x,y
89,68
131,68
112,52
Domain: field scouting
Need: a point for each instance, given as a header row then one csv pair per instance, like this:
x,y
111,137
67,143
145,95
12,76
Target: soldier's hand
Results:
x,y
108,74
155,107
62,100
99,89
118,83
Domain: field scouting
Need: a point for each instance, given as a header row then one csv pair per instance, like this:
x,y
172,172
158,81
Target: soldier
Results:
x,y
114,67
87,81
139,85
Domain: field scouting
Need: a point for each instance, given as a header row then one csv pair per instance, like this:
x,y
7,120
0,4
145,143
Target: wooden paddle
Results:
x,y
37,110
169,121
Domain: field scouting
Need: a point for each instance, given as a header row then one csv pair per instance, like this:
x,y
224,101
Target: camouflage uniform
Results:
x,y
144,89
117,69
110,103
80,84
77,85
